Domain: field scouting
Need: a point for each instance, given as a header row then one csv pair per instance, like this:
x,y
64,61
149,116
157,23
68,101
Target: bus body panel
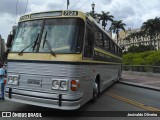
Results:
x,y
46,72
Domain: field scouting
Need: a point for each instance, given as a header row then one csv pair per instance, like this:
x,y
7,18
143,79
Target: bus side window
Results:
x,y
115,49
97,36
89,40
99,39
106,42
112,46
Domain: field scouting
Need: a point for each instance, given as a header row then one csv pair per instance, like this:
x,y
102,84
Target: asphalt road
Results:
x,y
118,97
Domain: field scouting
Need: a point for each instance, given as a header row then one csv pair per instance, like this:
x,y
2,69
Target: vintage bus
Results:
x,y
61,59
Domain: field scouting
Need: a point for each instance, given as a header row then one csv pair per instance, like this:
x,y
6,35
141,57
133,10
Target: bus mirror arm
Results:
x,y
44,39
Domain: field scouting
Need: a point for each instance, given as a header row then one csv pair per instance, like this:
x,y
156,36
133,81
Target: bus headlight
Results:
x,y
63,85
13,79
55,84
10,79
60,84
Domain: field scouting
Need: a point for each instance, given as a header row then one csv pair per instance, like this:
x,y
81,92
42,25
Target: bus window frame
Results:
x,y
112,46
88,25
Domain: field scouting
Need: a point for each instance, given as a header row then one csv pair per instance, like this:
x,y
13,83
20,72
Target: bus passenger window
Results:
x,y
106,42
115,51
112,46
97,36
99,39
101,42
89,40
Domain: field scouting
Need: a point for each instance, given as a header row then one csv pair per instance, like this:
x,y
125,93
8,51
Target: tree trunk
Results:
x,y
117,37
158,43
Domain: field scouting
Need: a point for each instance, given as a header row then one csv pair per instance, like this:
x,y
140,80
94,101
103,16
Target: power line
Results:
x,y
26,7
83,4
16,10
74,4
67,4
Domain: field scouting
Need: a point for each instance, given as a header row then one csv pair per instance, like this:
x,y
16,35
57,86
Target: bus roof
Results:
x,y
52,14
62,13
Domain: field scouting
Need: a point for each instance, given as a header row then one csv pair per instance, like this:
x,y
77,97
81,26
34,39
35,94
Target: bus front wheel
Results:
x,y
95,92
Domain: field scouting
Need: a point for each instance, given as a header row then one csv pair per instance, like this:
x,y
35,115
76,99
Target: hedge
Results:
x,y
142,58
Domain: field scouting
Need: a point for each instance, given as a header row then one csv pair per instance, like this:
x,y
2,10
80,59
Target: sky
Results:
x,y
132,12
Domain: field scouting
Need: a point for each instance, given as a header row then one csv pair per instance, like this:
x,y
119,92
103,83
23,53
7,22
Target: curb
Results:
x,y
141,86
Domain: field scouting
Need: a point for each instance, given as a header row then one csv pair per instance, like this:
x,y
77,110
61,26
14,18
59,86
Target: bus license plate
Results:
x,y
34,82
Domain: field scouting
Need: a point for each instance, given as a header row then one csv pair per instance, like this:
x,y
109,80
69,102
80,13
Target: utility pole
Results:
x,y
67,4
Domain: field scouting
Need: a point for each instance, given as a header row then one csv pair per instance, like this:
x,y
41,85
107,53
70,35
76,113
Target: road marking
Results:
x,y
149,108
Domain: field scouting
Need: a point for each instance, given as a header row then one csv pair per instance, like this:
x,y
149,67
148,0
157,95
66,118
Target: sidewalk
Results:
x,y
141,81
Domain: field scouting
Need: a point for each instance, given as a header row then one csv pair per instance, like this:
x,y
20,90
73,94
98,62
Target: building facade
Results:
x,y
2,50
136,37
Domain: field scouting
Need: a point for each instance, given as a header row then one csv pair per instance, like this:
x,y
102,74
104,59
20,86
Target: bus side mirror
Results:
x,y
11,37
14,28
9,41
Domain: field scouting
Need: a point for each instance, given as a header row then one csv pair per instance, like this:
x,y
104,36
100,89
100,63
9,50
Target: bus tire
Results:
x,y
119,76
95,92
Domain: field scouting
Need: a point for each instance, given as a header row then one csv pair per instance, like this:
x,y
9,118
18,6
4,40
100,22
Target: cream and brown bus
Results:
x,y
61,59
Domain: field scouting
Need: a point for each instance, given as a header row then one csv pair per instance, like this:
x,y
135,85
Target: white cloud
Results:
x,y
132,12
6,23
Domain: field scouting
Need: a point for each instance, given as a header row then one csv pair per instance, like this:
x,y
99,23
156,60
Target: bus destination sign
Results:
x,y
70,13
25,17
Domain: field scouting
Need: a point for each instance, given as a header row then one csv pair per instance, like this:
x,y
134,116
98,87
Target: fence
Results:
x,y
141,68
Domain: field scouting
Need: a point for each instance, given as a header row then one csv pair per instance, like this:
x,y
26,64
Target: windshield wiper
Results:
x,y
32,44
48,45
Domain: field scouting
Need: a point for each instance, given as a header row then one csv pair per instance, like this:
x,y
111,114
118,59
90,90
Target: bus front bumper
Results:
x,y
50,100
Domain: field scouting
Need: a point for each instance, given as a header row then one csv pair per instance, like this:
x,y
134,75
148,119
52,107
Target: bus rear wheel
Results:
x,y
119,76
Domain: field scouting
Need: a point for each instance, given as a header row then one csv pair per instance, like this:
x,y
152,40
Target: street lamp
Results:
x,y
93,5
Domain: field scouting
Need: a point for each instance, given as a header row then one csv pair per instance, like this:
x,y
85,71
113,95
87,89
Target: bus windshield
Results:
x,y
63,35
26,34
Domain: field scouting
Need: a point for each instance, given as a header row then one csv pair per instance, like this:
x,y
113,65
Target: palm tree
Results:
x,y
128,39
95,16
133,37
143,36
90,13
138,37
116,26
151,27
157,29
104,17
147,27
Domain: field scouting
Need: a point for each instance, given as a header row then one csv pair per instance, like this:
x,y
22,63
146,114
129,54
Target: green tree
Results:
x,y
142,58
140,48
116,26
104,17
90,13
152,28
